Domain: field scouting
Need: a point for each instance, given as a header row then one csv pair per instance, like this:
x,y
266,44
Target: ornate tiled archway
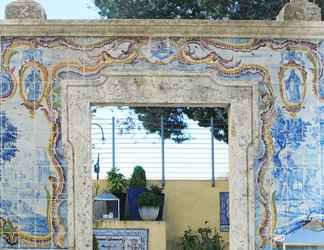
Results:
x,y
53,70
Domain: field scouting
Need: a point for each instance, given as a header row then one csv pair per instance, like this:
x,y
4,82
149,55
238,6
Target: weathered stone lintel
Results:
x,y
161,28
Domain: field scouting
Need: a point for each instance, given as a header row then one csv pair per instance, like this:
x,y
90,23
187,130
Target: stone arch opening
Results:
x,y
164,89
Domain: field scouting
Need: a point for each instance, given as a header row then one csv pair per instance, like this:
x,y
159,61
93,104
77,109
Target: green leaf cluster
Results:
x,y
156,189
116,181
203,239
149,199
138,178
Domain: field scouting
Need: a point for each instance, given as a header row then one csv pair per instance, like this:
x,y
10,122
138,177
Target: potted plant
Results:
x,y
158,191
137,186
149,204
117,185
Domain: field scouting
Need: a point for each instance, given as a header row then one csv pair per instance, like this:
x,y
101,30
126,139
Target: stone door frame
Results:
x,y
161,88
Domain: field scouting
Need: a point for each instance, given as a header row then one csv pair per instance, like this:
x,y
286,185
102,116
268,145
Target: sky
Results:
x,y
63,9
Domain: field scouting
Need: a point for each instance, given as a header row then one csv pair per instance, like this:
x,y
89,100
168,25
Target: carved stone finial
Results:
x,y
300,10
25,9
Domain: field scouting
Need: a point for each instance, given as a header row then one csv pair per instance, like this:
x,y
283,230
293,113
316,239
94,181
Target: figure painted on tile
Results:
x,y
293,87
33,85
6,85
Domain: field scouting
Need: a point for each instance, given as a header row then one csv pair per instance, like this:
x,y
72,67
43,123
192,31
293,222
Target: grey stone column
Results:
x,y
300,10
25,9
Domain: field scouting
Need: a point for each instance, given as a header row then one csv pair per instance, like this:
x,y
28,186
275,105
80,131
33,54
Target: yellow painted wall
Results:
x,y
189,203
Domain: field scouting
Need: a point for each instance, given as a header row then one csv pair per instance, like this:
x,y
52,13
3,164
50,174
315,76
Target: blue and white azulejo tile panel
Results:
x,y
224,211
122,239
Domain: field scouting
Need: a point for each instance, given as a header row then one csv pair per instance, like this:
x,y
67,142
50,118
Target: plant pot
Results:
x,y
149,213
132,207
160,216
122,204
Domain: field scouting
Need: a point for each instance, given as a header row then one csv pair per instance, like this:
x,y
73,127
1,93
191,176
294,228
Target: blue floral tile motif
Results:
x,y
33,85
8,136
33,55
288,132
6,85
224,211
161,50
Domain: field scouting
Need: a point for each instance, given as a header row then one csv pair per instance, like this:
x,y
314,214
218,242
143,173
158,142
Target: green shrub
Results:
x,y
116,181
204,239
138,178
156,189
149,199
190,240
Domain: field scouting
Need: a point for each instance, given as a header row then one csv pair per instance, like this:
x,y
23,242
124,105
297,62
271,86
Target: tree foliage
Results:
x,y
175,121
116,181
190,9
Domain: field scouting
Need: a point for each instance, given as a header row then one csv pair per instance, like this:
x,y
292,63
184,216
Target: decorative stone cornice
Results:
x,y
25,9
162,28
301,10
